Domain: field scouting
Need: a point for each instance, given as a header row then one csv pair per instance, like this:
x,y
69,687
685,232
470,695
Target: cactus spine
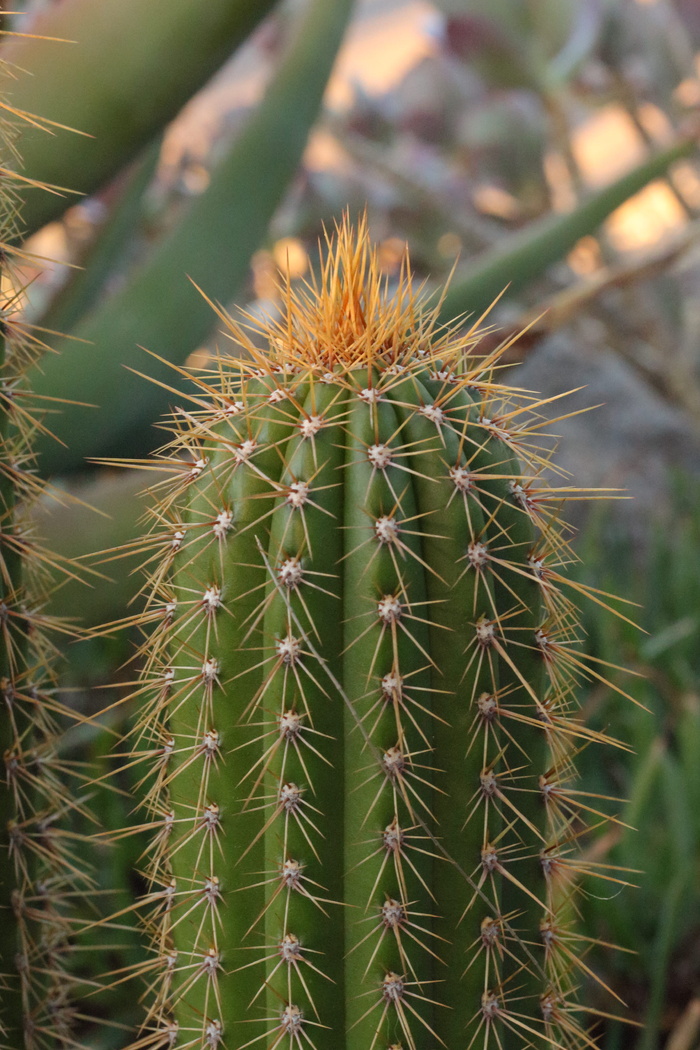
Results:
x,y
357,716
38,869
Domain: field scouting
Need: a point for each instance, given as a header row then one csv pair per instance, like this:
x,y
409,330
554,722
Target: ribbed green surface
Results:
x,y
361,693
37,867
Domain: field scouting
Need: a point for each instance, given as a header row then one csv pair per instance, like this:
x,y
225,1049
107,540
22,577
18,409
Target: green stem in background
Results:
x,y
689,747
669,918
132,67
212,244
523,256
108,250
671,912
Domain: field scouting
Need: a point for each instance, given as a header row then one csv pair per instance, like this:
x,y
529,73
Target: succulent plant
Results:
x,y
38,869
357,718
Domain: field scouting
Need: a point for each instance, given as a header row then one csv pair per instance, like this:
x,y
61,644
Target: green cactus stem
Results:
x,y
38,867
357,715
212,245
126,73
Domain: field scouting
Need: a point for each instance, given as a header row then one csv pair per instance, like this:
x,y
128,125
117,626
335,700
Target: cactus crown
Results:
x,y
350,317
357,714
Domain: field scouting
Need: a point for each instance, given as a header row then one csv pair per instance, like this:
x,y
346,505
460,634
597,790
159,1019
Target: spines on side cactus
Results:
x,y
38,867
357,716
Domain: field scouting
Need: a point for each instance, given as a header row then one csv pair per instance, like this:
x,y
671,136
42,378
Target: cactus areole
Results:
x,y
358,706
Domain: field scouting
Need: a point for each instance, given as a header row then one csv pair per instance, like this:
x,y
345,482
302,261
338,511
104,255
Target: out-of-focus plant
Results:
x,y
539,45
129,70
659,831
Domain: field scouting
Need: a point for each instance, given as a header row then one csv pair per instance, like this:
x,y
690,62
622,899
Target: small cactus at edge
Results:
x,y
39,871
357,719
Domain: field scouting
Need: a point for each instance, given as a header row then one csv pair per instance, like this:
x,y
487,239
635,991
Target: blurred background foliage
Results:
x,y
548,148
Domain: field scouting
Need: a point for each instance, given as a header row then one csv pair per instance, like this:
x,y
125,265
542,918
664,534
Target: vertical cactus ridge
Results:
x,y
357,718
39,866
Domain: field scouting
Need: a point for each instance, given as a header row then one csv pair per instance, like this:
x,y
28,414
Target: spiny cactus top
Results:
x,y
357,717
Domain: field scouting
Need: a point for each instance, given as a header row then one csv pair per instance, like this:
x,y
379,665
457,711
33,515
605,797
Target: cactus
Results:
x,y
38,867
357,717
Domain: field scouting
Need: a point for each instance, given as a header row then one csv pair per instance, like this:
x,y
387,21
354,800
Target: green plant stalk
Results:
x,y
669,919
130,69
519,258
109,249
212,244
356,708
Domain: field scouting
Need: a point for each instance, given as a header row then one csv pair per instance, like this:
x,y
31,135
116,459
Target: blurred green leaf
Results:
x,y
644,787
129,69
670,914
661,641
680,824
85,285
689,750
212,244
